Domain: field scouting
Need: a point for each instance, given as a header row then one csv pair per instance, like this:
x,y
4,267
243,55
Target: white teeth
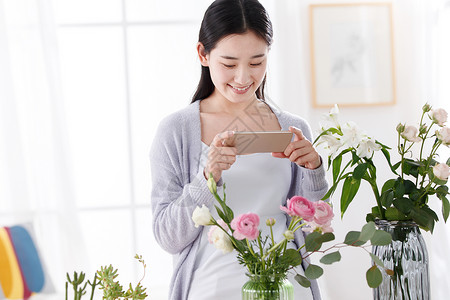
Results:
x,y
241,89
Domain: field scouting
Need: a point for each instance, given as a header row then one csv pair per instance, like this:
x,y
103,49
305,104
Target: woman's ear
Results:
x,y
202,54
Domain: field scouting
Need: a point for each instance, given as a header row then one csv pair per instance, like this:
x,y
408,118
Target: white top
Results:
x,y
255,183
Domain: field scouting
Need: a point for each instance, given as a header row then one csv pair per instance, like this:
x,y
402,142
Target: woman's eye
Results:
x,y
255,65
228,66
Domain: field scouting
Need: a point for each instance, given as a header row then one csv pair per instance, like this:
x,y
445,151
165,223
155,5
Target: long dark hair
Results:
x,y
225,17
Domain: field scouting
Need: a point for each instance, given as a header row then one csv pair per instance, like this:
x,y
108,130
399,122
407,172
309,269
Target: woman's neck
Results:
x,y
218,104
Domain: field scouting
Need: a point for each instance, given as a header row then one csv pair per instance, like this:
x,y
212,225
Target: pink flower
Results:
x,y
246,226
439,116
441,171
324,213
299,207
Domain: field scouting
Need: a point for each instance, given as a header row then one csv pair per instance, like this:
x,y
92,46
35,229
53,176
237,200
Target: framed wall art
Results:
x,y
352,57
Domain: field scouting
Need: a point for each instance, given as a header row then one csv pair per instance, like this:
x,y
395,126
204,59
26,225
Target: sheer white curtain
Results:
x,y
438,32
35,183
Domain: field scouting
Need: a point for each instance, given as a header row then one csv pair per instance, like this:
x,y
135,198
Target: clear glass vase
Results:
x,y
273,287
407,256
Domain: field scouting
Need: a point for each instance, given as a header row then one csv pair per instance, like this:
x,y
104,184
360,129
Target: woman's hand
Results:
x,y
300,151
220,156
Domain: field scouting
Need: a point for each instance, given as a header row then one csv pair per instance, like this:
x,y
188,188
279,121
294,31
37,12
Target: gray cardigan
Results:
x,y
178,187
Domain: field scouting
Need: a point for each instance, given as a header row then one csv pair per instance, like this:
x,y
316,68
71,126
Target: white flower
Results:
x,y
352,134
313,226
219,238
331,119
410,133
441,171
201,216
439,116
444,135
366,147
332,144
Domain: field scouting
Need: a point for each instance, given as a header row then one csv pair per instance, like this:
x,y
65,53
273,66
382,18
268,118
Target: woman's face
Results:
x,y
237,66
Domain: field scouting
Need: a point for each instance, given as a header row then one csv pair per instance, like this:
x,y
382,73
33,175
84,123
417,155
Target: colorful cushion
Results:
x,y
21,269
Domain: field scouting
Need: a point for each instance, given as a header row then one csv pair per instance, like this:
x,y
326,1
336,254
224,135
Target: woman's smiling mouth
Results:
x,y
240,90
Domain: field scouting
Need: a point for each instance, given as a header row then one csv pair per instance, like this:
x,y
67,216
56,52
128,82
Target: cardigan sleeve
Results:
x,y
311,184
175,193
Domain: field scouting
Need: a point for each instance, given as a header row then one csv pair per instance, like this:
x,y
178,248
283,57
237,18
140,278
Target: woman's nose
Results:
x,y
242,75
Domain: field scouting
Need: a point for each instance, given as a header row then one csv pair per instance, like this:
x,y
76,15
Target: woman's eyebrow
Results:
x,y
235,58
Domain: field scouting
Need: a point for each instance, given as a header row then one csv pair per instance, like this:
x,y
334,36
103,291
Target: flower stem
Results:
x,y
261,251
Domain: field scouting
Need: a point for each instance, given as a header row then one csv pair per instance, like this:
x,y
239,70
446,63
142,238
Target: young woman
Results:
x,y
234,41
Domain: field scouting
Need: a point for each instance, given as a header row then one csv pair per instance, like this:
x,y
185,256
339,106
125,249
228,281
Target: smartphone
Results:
x,y
248,142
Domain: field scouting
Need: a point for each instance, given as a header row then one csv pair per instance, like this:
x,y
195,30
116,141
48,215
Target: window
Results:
x,y
125,65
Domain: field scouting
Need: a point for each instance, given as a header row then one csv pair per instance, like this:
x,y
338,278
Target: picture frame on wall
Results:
x,y
352,56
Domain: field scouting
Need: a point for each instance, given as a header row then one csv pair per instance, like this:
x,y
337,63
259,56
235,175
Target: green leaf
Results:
x,y
387,197
311,242
331,258
314,240
404,205
313,271
376,212
221,214
374,277
430,212
393,214
303,281
411,167
442,190
445,207
376,260
330,192
359,171
367,232
349,190
381,238
326,237
355,158
409,186
352,239
291,257
388,185
370,218
422,218
399,188
388,158
336,167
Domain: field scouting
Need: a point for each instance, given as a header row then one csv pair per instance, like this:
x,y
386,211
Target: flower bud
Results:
x,y
212,184
270,222
423,129
400,128
289,235
426,107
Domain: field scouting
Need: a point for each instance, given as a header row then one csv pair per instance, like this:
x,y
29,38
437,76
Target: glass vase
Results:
x,y
267,287
407,257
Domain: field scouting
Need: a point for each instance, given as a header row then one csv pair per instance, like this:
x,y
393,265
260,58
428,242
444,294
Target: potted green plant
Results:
x,y
105,278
